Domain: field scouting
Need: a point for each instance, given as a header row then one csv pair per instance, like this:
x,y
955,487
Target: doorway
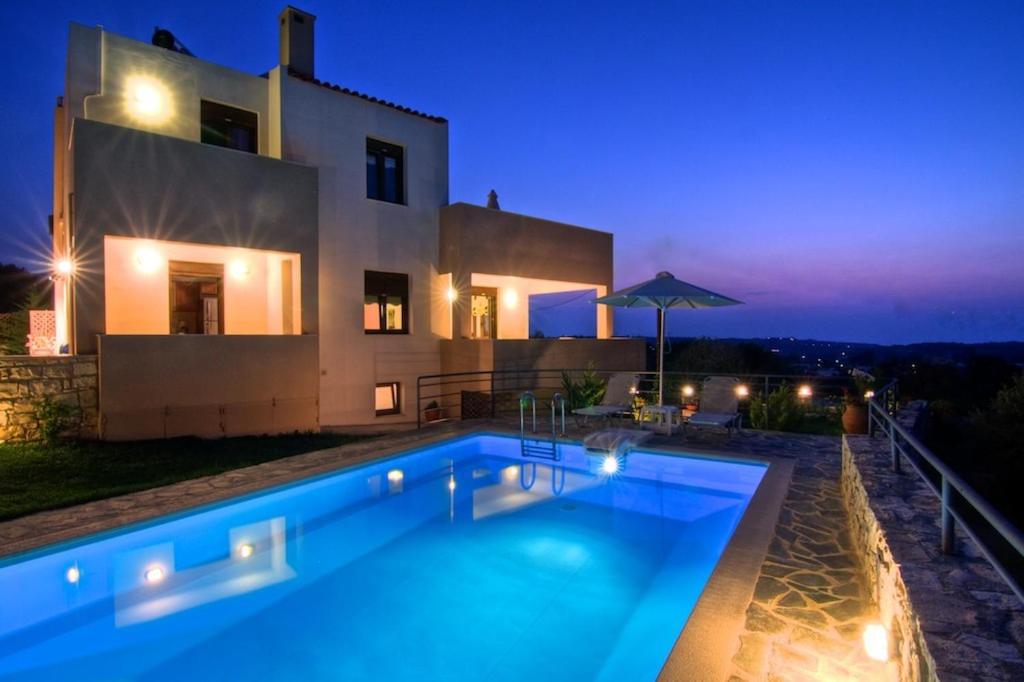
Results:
x,y
484,310
197,298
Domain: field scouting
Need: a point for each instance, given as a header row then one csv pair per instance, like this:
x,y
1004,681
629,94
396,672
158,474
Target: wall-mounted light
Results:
x,y
452,294
147,260
804,391
72,575
510,298
64,267
239,269
876,642
154,574
246,550
147,99
742,391
689,391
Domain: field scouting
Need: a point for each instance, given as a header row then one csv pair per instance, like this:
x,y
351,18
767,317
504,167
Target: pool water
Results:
x,y
461,561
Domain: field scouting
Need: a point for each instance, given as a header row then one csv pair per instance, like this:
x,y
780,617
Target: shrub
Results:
x,y
586,392
782,410
56,418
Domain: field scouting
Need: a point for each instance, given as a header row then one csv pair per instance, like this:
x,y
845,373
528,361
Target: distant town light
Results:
x,y
804,391
742,391
688,391
147,260
876,642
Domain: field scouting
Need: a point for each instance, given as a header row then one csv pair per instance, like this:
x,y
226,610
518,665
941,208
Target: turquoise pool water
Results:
x,y
462,561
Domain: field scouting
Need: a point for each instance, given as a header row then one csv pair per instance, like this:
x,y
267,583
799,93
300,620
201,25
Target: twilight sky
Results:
x,y
852,170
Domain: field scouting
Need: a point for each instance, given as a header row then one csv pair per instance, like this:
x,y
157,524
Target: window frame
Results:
x,y
382,296
382,150
396,394
225,105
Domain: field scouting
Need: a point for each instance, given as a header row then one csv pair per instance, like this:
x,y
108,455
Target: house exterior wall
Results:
x,y
327,129
480,240
209,386
131,183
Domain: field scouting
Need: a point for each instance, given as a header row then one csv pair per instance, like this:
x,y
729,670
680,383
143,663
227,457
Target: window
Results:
x,y
483,305
197,300
385,303
229,127
387,398
385,171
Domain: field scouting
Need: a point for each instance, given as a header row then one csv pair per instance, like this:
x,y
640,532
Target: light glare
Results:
x,y
876,642
511,298
610,465
154,574
147,260
452,295
147,99
65,266
688,391
451,483
742,391
868,395
72,575
239,269
246,550
804,391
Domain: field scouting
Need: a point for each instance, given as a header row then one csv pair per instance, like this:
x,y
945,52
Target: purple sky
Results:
x,y
852,171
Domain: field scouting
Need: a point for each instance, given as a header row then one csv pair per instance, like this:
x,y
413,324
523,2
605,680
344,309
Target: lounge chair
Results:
x,y
719,405
618,399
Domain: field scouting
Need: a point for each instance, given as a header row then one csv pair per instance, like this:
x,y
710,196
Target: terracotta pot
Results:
x,y
855,418
432,414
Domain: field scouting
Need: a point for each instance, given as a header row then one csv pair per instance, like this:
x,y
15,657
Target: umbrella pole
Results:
x,y
661,355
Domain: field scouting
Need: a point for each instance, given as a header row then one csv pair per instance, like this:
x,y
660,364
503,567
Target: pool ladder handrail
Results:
x,y
547,450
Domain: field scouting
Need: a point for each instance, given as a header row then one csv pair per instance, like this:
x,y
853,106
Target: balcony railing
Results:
x,y
1000,541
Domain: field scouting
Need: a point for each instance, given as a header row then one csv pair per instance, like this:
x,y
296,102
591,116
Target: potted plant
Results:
x,y
433,412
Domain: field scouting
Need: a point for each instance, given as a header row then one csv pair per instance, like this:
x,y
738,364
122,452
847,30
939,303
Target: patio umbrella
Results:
x,y
664,292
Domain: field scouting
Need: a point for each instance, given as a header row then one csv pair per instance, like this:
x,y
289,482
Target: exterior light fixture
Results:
x,y
147,99
239,269
246,550
610,465
511,298
876,642
689,391
742,391
64,266
147,260
154,575
72,575
868,395
452,295
804,391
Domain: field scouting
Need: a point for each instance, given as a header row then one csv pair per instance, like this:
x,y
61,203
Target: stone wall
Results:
x,y
950,616
25,380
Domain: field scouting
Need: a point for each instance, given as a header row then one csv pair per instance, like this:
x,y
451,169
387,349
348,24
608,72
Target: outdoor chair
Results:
x,y
617,401
719,405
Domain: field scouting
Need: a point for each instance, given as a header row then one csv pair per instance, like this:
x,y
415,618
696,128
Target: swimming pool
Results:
x,y
458,561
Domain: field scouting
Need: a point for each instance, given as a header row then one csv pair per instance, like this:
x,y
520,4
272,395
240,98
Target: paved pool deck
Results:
x,y
800,614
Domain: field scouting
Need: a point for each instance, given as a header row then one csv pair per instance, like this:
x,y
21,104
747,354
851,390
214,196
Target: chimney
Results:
x,y
492,200
297,41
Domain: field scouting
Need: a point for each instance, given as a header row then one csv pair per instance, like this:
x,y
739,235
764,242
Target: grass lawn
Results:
x,y
34,477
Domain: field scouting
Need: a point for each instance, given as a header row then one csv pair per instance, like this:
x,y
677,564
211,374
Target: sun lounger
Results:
x,y
719,405
618,399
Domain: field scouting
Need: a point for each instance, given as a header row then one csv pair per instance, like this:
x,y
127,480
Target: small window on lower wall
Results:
x,y
387,398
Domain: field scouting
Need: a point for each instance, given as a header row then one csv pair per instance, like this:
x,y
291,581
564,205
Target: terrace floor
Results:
x,y
803,620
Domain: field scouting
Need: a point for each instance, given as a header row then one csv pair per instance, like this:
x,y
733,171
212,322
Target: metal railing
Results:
x,y
491,394
999,540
